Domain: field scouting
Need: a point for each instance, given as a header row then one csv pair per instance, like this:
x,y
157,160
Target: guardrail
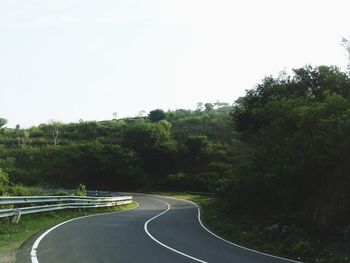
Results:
x,y
60,202
87,192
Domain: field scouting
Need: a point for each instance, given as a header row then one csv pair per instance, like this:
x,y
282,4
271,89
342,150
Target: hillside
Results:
x,y
167,150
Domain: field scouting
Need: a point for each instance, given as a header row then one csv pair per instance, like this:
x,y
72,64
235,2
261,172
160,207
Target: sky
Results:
x,y
68,60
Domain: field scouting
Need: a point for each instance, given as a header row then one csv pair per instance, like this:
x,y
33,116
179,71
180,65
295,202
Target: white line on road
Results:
x,y
222,239
33,252
162,244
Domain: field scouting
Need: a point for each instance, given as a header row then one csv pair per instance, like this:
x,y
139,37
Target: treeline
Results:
x,y
282,148
174,150
297,132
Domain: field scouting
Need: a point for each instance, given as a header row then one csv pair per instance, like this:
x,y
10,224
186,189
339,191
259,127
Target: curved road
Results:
x,y
159,230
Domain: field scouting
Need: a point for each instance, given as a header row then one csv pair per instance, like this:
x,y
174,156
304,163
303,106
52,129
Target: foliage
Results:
x,y
81,190
21,190
248,231
123,154
4,182
298,127
157,115
303,248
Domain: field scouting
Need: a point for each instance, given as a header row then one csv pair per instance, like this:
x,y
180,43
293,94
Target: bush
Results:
x,y
81,190
60,192
21,190
303,248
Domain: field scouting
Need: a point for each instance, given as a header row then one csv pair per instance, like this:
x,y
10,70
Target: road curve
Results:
x,y
160,229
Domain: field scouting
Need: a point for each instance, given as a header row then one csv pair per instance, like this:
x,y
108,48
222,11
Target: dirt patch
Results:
x,y
8,257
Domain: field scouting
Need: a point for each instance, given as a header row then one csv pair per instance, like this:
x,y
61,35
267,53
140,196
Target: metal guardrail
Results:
x,y
6,200
201,193
62,202
87,192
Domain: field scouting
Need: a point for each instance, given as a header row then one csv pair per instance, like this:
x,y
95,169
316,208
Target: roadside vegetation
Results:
x,y
278,157
285,240
12,236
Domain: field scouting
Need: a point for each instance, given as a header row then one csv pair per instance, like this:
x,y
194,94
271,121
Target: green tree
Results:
x,y
2,122
157,115
4,182
208,106
154,145
298,128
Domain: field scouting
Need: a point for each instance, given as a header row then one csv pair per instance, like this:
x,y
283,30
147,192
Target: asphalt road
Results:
x,y
158,230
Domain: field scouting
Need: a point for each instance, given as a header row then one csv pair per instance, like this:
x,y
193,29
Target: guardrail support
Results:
x,y
16,217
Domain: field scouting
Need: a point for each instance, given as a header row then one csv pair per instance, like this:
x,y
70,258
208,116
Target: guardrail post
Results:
x,y
16,217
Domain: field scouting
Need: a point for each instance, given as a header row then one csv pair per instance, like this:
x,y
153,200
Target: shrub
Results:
x,y
21,190
60,192
80,191
303,248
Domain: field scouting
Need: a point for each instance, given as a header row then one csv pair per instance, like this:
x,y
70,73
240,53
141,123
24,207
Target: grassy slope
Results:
x,y
12,235
244,230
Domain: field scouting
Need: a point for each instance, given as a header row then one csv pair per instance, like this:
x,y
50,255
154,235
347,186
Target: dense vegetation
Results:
x,y
182,149
298,131
282,149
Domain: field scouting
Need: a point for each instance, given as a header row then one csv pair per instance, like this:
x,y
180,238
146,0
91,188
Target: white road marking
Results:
x,y
229,242
33,252
162,244
233,244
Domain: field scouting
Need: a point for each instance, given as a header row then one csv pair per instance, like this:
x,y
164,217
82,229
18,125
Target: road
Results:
x,y
158,230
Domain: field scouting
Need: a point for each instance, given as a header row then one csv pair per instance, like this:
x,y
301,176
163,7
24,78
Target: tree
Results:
x,y
22,137
157,115
2,122
4,182
298,129
198,146
346,44
55,125
208,106
200,106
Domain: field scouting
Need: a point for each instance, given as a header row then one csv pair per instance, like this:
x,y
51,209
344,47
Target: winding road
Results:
x,y
160,229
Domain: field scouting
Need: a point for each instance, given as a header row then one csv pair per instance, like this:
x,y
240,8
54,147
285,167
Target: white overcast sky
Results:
x,y
85,59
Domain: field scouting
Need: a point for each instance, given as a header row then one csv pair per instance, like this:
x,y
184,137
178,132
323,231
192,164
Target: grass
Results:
x,y
13,235
247,230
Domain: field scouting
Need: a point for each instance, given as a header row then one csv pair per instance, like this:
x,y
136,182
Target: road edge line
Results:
x,y
33,251
221,238
162,244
